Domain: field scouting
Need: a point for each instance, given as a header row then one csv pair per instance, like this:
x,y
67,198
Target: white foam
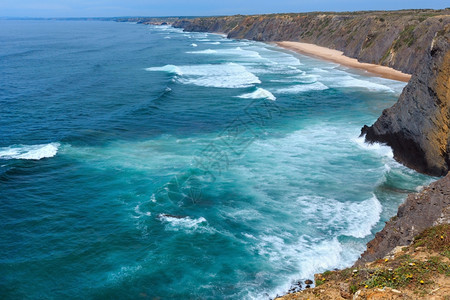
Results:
x,y
229,75
214,43
306,254
302,78
380,149
194,45
207,51
123,273
300,88
32,152
165,28
139,213
236,54
320,70
167,68
351,82
259,93
347,218
186,224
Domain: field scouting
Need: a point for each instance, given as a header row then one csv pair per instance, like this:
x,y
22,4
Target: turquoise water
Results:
x,y
142,162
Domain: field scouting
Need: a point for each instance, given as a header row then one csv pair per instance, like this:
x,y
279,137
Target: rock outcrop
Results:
x,y
417,126
428,208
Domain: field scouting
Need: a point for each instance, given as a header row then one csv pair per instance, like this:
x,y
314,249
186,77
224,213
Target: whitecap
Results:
x,y
351,82
207,51
229,75
300,88
354,219
32,152
378,148
139,213
187,224
194,45
259,93
167,68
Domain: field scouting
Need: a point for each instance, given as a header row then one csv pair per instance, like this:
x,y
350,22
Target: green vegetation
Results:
x,y
412,273
404,271
436,238
406,37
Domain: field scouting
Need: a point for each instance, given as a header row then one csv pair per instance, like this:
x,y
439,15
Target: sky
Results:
x,y
115,8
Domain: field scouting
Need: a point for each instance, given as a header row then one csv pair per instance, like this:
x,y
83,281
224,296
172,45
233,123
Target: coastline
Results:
x,y
338,57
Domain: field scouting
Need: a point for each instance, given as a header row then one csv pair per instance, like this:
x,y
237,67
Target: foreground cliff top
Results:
x,y
392,267
419,271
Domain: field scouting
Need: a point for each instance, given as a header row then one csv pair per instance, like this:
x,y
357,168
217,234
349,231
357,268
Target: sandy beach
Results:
x,y
338,57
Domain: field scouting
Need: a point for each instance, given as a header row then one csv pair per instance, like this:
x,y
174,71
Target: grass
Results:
x,y
404,271
436,238
406,37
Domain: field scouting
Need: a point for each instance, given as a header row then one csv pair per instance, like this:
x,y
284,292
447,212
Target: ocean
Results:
x,y
147,162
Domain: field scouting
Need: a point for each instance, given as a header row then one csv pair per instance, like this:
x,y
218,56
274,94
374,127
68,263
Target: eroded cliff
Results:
x,y
397,39
417,126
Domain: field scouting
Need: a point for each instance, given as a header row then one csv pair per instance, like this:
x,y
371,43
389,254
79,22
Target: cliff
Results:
x,y
417,126
408,259
397,39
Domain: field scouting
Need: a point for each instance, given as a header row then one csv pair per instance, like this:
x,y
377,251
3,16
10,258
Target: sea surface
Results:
x,y
145,162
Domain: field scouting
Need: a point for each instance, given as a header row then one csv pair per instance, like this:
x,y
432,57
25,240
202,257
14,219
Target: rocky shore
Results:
x,y
408,259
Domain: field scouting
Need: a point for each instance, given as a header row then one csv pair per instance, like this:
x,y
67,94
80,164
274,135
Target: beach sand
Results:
x,y
338,57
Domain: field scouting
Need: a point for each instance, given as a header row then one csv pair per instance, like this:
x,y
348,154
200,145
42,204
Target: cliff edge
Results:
x,y
417,126
396,39
408,259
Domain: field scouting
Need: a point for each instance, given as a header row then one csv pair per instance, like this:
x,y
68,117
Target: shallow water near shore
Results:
x,y
142,161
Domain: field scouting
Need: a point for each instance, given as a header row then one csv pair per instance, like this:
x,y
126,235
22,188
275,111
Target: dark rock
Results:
x,y
308,281
428,208
417,126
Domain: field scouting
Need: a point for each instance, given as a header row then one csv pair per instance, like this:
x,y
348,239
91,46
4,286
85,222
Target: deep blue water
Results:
x,y
142,162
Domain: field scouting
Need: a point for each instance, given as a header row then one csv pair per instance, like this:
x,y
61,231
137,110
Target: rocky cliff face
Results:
x,y
396,39
417,126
